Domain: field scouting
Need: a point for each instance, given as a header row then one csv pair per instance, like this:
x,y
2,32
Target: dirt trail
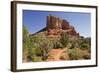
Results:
x,y
58,54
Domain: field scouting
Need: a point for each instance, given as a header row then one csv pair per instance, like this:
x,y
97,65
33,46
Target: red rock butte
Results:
x,y
56,25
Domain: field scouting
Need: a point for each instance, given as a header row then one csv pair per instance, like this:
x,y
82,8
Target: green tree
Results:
x,y
57,45
75,54
64,39
85,44
26,45
42,45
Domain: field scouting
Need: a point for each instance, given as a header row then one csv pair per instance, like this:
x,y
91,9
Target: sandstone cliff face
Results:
x,y
56,25
53,22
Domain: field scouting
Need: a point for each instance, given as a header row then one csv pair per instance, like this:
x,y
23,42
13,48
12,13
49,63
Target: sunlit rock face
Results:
x,y
56,25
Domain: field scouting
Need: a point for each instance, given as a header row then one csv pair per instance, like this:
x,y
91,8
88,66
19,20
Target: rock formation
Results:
x,y
56,25
54,22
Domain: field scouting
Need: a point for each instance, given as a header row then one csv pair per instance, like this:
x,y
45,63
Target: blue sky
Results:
x,y
36,20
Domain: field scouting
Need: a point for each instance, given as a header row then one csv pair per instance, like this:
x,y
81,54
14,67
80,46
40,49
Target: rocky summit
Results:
x,y
56,25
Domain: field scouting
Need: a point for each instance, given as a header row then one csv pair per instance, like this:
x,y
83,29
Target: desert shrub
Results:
x,y
75,43
38,52
82,43
42,45
45,47
85,44
72,46
57,45
37,59
27,46
87,55
75,54
64,39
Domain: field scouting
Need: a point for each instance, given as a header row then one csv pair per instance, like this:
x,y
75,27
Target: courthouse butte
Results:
x,y
55,26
